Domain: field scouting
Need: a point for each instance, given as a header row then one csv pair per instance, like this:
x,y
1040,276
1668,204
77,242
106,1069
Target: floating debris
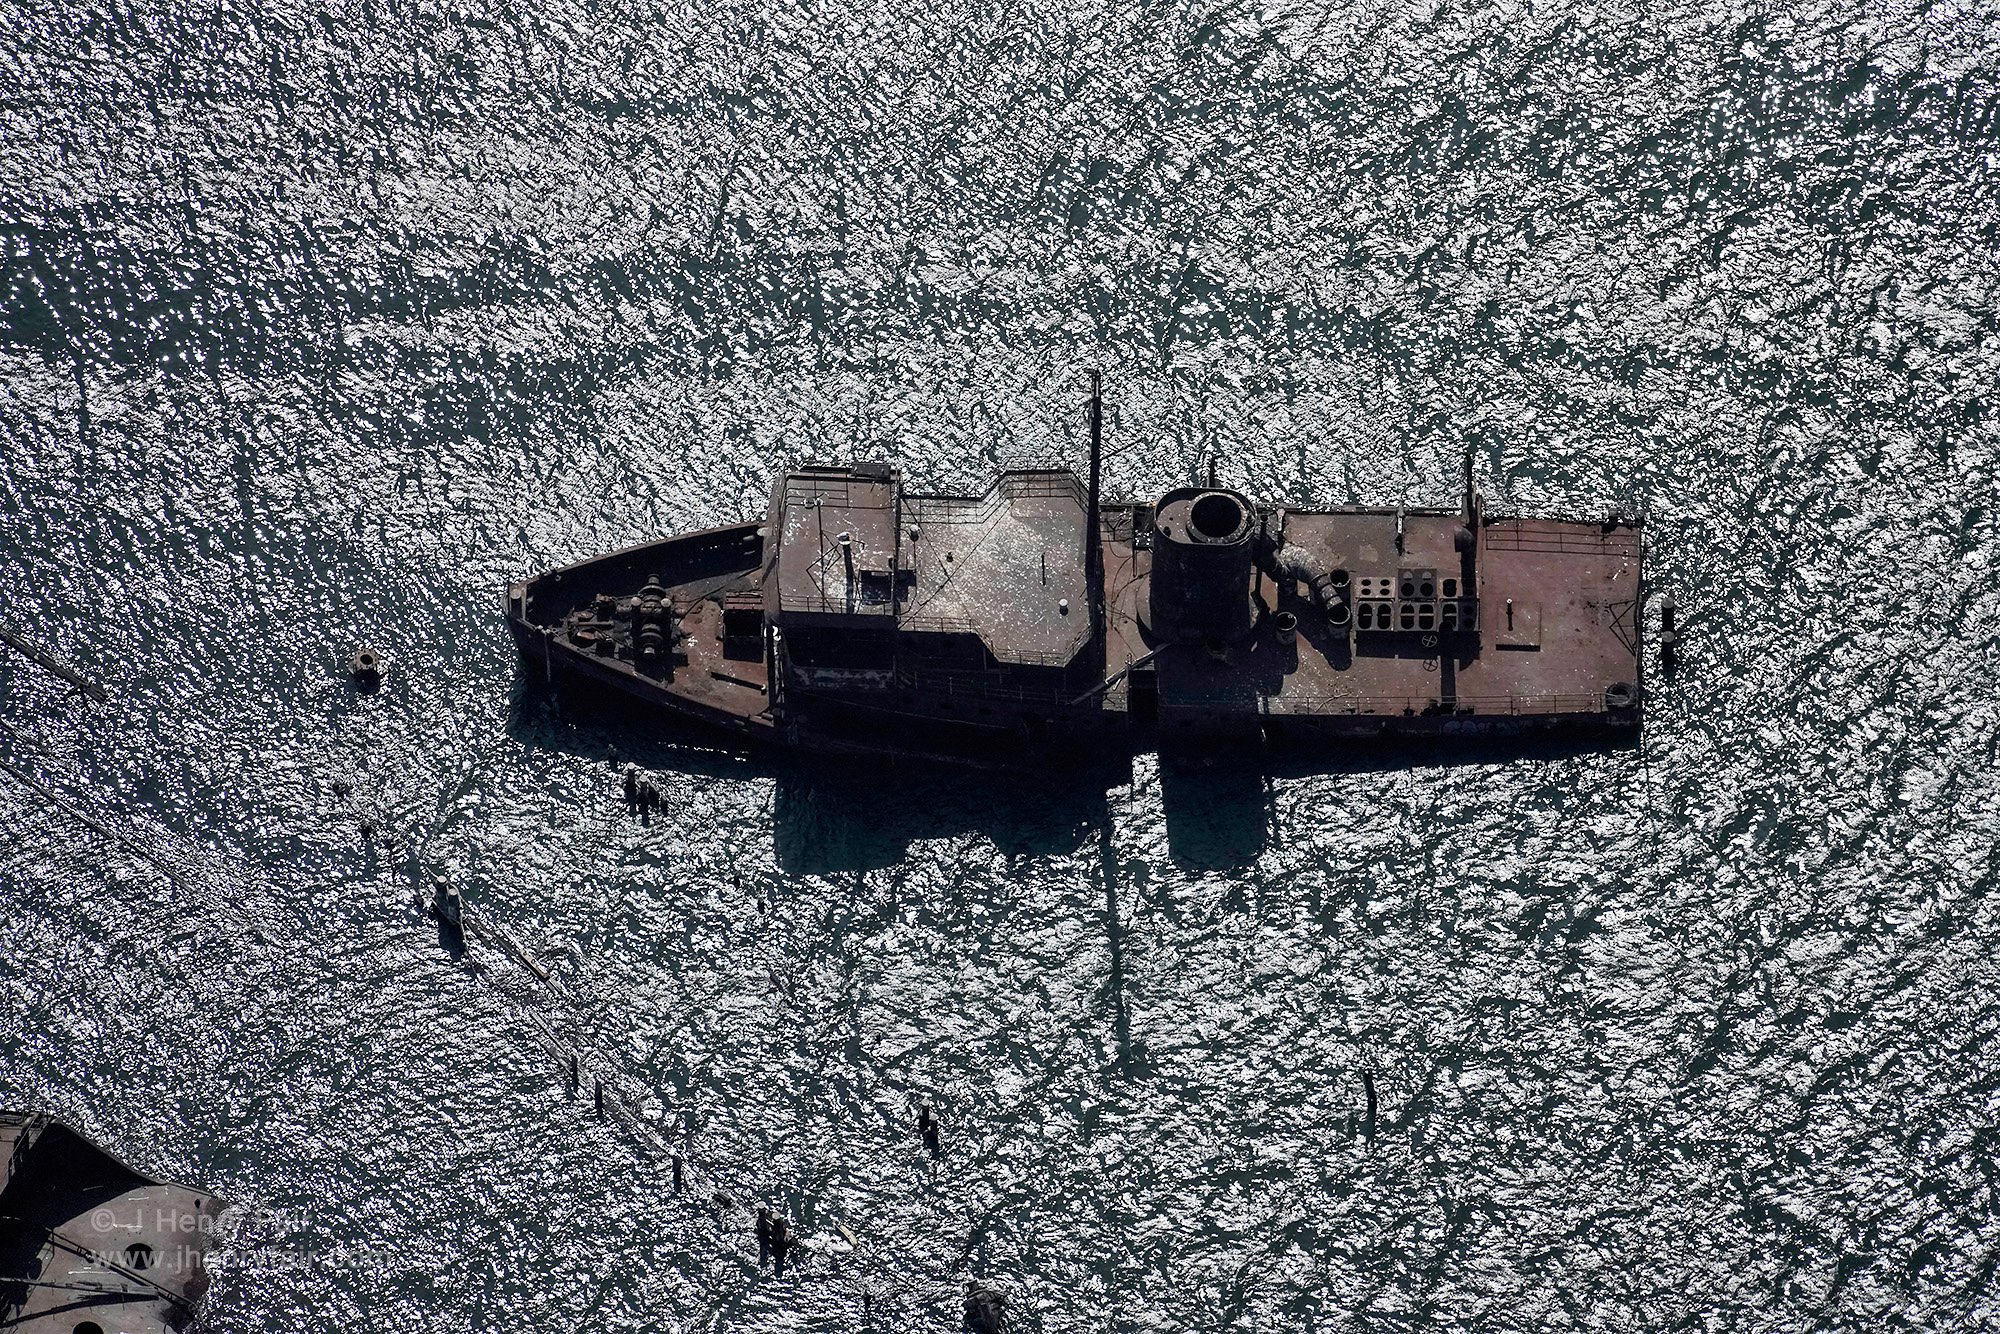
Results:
x,y
781,1244
927,1126
1368,1088
448,906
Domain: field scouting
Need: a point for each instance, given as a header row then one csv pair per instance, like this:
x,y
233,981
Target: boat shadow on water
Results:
x,y
834,815
829,815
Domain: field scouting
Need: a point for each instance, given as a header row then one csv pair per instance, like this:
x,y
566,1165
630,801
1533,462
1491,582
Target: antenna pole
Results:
x,y
1093,546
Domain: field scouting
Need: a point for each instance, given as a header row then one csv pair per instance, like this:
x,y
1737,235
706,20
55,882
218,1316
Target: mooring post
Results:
x,y
781,1244
1368,1087
927,1126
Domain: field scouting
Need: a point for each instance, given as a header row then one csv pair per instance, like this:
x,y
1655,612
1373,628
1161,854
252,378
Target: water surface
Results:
x,y
320,322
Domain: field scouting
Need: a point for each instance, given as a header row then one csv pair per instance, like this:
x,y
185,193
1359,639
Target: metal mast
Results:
x,y
1093,548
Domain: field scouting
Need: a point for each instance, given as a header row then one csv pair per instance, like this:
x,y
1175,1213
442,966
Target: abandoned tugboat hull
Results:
x,y
726,688
1035,621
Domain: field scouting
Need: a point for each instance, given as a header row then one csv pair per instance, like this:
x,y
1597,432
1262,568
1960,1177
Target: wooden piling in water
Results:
x,y
34,653
1368,1087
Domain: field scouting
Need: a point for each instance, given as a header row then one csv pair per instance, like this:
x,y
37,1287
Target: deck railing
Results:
x,y
1295,705
978,686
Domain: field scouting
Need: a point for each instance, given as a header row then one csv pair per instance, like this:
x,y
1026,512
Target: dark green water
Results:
x,y
318,323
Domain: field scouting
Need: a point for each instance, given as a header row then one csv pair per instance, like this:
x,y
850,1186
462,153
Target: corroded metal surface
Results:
x,y
87,1243
1006,567
837,556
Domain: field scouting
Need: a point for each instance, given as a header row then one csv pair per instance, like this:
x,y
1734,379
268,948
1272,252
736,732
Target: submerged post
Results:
x,y
1093,545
